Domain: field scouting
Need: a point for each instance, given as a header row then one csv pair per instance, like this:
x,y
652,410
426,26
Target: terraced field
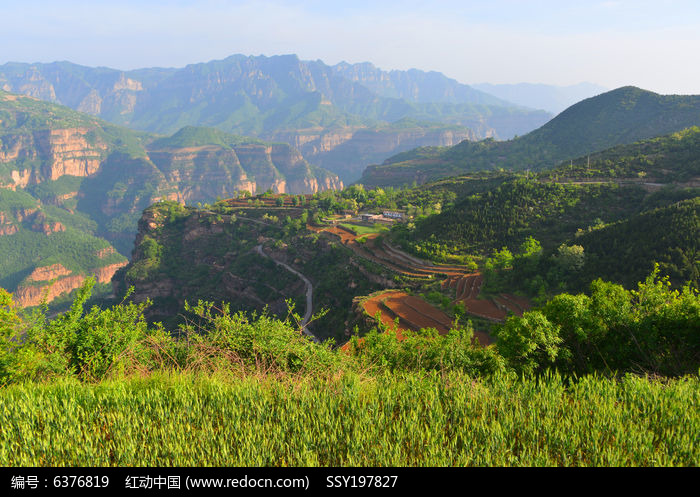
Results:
x,y
415,313
269,201
467,289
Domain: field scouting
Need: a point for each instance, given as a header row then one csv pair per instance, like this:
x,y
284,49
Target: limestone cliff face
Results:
x,y
312,142
40,282
68,151
29,296
47,273
205,172
347,154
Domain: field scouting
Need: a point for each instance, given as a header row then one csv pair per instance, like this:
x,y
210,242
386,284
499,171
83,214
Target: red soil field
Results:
x,y
415,311
432,312
397,304
374,305
521,302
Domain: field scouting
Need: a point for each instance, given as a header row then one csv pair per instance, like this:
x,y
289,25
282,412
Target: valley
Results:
x,y
322,245
500,275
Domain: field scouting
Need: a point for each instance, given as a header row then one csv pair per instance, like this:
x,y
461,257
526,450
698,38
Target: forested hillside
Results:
x,y
621,116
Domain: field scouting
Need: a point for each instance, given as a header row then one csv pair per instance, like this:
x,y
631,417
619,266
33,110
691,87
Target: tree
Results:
x,y
570,259
529,343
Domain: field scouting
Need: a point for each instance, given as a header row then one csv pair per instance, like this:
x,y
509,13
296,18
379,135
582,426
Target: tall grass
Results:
x,y
349,420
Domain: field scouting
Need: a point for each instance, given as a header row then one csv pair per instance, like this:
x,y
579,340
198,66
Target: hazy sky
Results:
x,y
651,44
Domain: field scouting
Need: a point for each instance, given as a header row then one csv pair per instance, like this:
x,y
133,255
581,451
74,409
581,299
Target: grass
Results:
x,y
364,230
350,420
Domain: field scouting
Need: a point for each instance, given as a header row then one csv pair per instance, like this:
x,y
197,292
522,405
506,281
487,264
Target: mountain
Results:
x,y
72,187
617,117
184,254
551,98
415,85
308,104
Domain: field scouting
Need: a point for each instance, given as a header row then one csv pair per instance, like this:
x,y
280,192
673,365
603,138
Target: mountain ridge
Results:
x,y
620,116
274,98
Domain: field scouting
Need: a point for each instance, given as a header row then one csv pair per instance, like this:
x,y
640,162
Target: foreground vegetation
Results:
x,y
400,420
104,387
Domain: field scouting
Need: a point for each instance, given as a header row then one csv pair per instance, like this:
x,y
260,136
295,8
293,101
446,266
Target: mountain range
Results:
x,y
620,116
308,104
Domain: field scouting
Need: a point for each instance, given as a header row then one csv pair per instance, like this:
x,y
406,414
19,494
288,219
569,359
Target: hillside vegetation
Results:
x,y
167,398
621,116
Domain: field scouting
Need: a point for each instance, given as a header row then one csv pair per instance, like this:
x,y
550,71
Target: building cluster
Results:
x,y
387,217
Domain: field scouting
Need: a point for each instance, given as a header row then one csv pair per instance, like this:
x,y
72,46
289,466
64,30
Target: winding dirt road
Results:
x,y
309,291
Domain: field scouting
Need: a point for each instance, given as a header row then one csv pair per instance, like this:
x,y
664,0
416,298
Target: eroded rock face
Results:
x,y
104,274
206,172
47,273
39,284
69,151
8,229
29,296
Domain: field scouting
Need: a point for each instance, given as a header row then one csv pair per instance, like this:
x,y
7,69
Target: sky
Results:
x,y
650,44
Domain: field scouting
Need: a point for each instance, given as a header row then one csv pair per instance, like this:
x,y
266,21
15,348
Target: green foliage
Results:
x,y
529,343
89,346
570,259
521,208
653,330
149,261
425,350
262,342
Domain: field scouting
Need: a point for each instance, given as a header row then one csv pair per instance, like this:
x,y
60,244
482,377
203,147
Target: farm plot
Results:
x,y
467,285
413,317
414,313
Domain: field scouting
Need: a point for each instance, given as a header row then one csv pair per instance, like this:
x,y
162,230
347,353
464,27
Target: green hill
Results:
x,y
621,116
664,159
626,251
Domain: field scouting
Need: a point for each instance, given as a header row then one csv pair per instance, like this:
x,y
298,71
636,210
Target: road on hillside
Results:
x,y
309,291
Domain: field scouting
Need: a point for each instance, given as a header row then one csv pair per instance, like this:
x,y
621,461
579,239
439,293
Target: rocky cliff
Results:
x,y
307,104
68,182
46,155
348,151
51,282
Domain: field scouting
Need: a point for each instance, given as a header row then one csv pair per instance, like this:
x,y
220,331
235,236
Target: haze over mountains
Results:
x,y
551,98
73,186
308,104
624,115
